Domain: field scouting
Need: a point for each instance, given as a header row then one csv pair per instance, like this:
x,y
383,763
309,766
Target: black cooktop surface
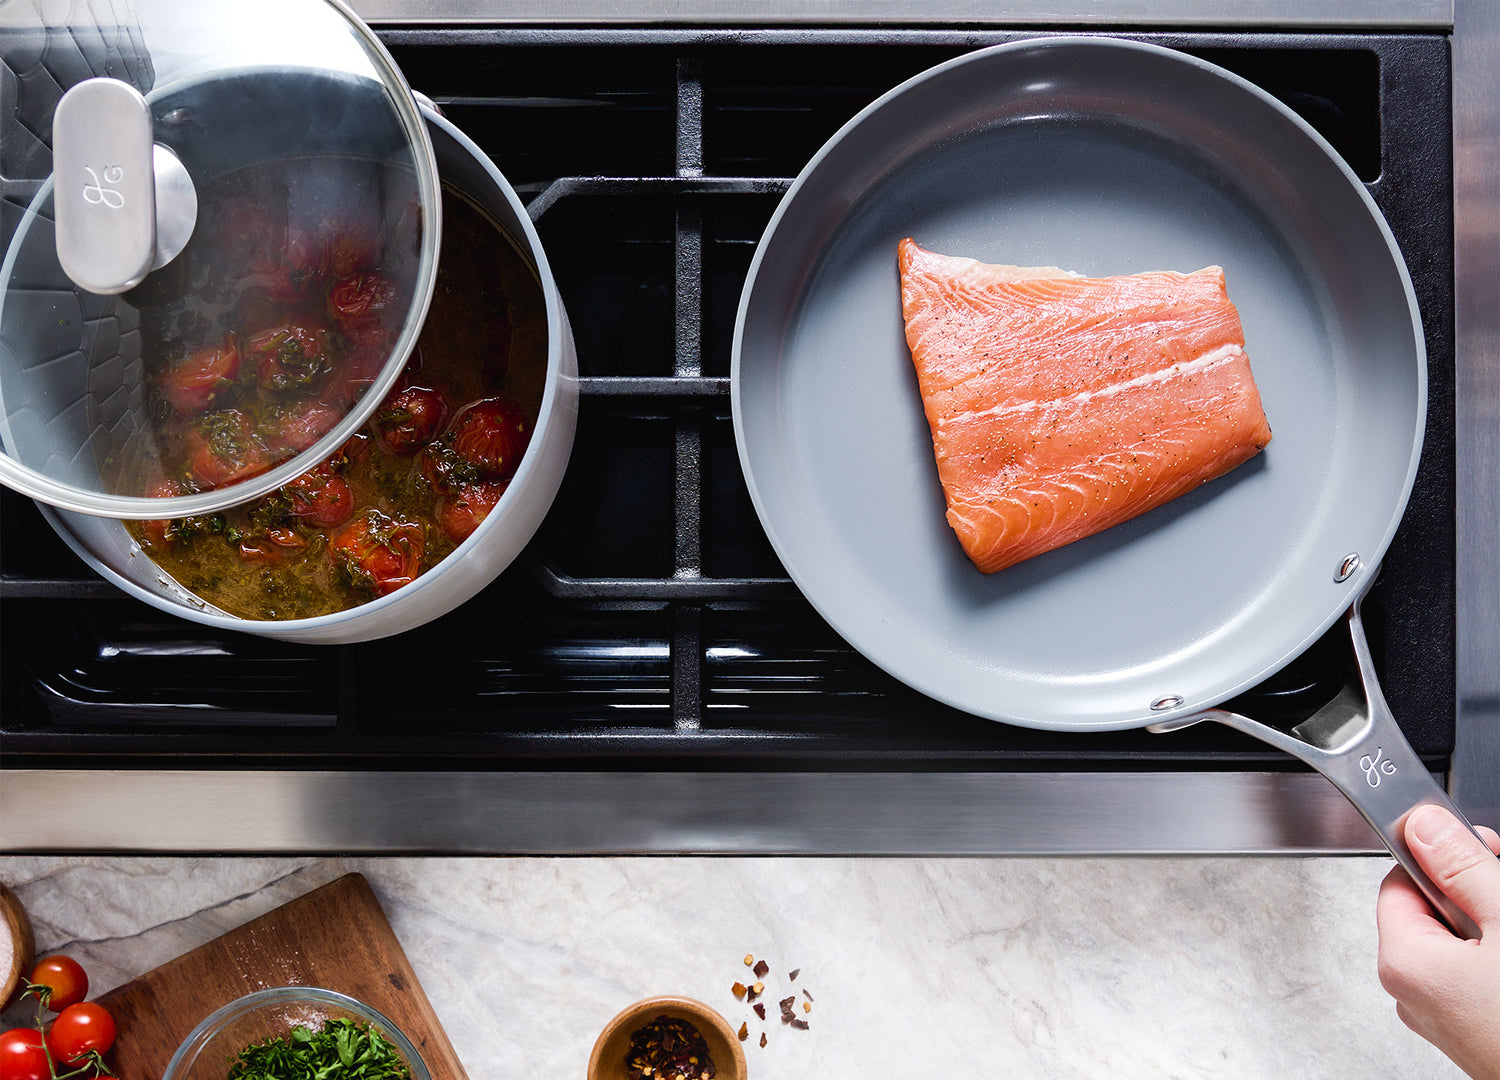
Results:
x,y
649,622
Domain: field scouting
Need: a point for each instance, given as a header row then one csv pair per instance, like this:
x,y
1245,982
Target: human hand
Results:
x,y
1447,989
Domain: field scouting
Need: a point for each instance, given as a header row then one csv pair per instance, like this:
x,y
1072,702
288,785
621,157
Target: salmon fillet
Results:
x,y
1062,405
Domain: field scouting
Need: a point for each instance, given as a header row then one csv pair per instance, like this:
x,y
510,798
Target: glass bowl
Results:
x,y
267,1014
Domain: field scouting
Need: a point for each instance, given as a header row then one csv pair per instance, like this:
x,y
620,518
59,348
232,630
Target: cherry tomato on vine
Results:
x,y
65,980
22,1056
79,1029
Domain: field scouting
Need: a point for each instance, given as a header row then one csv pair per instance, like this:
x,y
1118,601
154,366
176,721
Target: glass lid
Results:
x,y
219,226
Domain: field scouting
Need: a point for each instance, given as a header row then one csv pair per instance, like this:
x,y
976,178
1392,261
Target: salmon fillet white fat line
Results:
x,y
1061,405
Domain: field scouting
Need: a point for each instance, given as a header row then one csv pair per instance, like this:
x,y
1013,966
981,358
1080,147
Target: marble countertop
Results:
x,y
1059,968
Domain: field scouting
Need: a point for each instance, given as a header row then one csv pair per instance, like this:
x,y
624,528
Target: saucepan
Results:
x,y
107,546
225,266
1106,157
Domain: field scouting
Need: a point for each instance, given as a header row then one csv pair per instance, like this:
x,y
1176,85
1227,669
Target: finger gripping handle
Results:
x,y
1356,742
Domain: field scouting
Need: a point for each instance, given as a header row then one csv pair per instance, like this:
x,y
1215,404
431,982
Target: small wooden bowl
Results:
x,y
607,1062
20,944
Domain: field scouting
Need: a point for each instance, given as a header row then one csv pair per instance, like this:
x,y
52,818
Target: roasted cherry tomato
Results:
x,y
409,419
492,435
23,1056
360,367
258,549
378,552
164,532
299,424
192,385
321,496
64,978
286,539
296,266
294,358
486,444
363,307
223,448
353,453
353,245
79,1029
460,511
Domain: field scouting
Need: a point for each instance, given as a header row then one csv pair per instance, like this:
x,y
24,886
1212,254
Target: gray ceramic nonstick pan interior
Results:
x,y
1104,157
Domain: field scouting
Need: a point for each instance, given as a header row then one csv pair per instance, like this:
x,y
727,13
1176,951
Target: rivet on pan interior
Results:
x,y
1347,567
1161,704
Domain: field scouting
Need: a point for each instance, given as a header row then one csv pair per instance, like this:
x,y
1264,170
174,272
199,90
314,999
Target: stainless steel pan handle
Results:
x,y
1355,742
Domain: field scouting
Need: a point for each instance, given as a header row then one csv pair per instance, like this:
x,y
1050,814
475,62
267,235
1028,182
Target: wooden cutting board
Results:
x,y
336,937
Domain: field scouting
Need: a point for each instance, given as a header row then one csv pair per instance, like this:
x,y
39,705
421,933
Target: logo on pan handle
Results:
x,y
1378,766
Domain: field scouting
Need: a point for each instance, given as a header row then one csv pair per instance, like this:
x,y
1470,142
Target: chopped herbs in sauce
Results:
x,y
276,361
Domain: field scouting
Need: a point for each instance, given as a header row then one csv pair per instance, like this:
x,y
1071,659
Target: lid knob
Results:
x,y
124,205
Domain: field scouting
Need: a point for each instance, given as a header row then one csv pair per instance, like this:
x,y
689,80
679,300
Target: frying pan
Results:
x,y
1105,157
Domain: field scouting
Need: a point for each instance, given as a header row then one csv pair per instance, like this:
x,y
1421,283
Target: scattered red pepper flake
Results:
x,y
761,968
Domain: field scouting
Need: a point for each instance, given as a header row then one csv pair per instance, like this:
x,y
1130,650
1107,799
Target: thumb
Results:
x,y
1458,863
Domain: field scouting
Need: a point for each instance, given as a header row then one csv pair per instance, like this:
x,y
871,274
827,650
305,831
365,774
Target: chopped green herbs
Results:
x,y
342,1050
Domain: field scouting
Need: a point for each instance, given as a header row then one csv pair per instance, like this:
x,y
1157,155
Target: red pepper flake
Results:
x,y
738,989
792,977
805,994
761,967
760,1009
799,1023
668,1047
763,1039
744,1032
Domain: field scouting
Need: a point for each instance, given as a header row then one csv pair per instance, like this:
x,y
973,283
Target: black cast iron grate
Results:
x,y
650,623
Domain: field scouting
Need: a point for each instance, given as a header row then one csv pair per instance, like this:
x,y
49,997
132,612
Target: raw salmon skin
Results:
x,y
1061,405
